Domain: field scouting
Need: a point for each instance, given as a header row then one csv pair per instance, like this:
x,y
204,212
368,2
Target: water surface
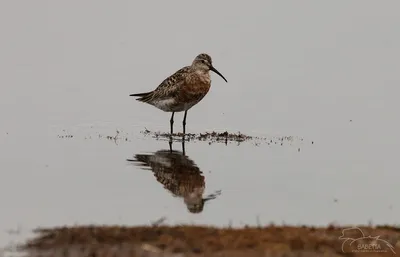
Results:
x,y
324,73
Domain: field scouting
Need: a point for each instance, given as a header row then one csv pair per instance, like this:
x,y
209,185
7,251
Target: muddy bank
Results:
x,y
224,137
120,136
209,241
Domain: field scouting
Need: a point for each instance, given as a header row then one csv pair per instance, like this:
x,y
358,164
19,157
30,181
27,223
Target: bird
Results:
x,y
183,89
178,174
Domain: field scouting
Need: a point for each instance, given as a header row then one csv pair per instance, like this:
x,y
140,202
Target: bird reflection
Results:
x,y
179,174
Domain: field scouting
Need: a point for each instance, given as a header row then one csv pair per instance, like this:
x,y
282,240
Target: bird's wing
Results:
x,y
171,85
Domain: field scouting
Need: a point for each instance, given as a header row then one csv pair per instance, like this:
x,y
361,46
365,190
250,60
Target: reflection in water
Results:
x,y
178,174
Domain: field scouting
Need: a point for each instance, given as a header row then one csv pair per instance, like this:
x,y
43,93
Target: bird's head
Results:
x,y
204,62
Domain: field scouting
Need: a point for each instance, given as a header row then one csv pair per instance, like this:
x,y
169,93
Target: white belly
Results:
x,y
171,105
165,104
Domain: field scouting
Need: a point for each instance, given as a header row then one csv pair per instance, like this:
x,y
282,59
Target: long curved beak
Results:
x,y
215,70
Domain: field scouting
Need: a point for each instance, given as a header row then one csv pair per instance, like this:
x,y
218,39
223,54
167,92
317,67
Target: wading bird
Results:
x,y
183,89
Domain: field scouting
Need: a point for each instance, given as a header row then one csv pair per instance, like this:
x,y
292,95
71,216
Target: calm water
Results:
x,y
324,72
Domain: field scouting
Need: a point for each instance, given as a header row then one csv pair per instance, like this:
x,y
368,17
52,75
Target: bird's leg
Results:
x,y
183,147
171,121
184,123
170,144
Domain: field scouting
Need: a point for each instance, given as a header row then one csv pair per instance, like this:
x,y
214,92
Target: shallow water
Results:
x,y
324,74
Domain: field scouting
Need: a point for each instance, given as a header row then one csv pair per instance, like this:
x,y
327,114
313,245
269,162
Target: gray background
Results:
x,y
294,68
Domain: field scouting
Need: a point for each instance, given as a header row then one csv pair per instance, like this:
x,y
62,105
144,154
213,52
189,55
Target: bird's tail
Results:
x,y
143,97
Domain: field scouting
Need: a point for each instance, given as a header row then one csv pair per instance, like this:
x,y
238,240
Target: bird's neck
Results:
x,y
204,76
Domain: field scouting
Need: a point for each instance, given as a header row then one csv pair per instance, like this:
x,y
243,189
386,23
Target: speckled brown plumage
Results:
x,y
178,174
183,89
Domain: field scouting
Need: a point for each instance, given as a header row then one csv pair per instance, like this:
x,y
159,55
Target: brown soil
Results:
x,y
209,241
222,137
210,137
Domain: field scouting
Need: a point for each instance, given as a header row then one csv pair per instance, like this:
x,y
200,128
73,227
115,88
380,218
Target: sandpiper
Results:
x,y
178,174
183,89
